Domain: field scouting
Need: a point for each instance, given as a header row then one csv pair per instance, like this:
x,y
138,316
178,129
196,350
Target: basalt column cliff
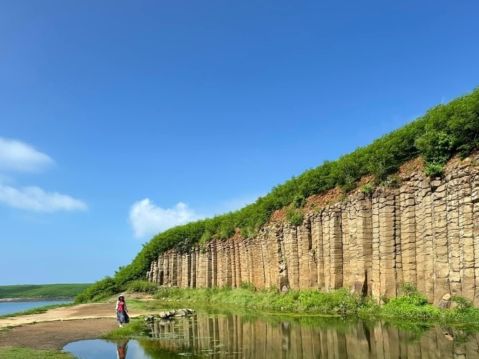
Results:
x,y
422,231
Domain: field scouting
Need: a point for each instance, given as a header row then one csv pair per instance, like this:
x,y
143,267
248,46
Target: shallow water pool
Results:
x,y
234,336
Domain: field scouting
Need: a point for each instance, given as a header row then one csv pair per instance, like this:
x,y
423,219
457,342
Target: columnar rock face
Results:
x,y
424,232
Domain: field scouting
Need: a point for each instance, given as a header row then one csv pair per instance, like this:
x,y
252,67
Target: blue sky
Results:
x,y
119,119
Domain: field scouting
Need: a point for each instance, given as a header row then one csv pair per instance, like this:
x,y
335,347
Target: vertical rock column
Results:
x,y
237,263
333,249
384,244
317,237
271,253
440,243
245,266
348,233
475,231
362,246
466,234
454,243
186,270
408,234
307,261
291,254
202,268
424,229
326,252
283,280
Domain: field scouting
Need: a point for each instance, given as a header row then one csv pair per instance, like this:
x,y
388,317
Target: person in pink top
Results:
x,y
121,311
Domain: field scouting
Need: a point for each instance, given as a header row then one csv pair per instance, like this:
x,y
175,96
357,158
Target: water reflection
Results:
x,y
121,349
233,336
239,337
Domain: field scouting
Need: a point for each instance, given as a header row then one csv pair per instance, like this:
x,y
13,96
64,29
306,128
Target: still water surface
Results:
x,y
234,336
14,307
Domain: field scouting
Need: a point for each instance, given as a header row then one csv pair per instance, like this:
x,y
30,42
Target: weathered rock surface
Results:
x,y
426,232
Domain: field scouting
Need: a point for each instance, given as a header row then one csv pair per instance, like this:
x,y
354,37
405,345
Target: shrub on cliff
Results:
x,y
412,306
142,286
99,290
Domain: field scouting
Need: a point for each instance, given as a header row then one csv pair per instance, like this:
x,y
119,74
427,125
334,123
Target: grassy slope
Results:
x,y
41,290
442,132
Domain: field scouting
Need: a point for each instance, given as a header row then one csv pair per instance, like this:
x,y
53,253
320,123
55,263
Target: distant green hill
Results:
x,y
41,290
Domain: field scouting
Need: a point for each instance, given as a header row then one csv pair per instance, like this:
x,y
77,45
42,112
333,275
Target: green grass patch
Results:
x,y
337,303
136,327
410,308
42,290
22,353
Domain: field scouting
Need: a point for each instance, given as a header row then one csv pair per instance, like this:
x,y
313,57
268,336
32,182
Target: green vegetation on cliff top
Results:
x,y
41,290
442,132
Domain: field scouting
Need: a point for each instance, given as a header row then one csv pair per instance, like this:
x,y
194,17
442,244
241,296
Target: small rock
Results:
x,y
181,313
164,315
445,301
435,184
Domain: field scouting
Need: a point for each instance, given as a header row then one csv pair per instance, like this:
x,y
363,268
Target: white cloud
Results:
x,y
36,199
19,156
148,219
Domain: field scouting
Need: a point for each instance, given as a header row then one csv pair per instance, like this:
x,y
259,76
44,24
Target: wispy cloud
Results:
x,y
148,219
22,157
17,156
38,200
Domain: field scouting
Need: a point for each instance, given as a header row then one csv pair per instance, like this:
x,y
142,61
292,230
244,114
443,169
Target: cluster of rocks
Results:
x,y
170,314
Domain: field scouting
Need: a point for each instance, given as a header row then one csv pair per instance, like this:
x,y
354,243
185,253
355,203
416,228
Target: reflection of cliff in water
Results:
x,y
236,337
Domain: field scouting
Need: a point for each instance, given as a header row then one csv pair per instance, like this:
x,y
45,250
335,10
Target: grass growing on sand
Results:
x,y
135,328
22,353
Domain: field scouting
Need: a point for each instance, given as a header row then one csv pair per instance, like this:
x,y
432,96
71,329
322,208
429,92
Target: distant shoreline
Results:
x,y
40,292
31,299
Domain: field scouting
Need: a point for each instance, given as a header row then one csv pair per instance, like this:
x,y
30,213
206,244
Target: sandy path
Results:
x,y
81,311
55,335
57,327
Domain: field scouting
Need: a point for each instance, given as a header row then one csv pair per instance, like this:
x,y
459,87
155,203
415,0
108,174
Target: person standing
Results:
x,y
121,311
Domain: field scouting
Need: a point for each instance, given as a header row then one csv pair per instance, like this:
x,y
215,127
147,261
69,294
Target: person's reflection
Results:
x,y
121,349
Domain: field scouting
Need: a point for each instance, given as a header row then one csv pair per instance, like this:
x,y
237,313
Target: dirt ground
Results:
x,y
55,335
57,327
